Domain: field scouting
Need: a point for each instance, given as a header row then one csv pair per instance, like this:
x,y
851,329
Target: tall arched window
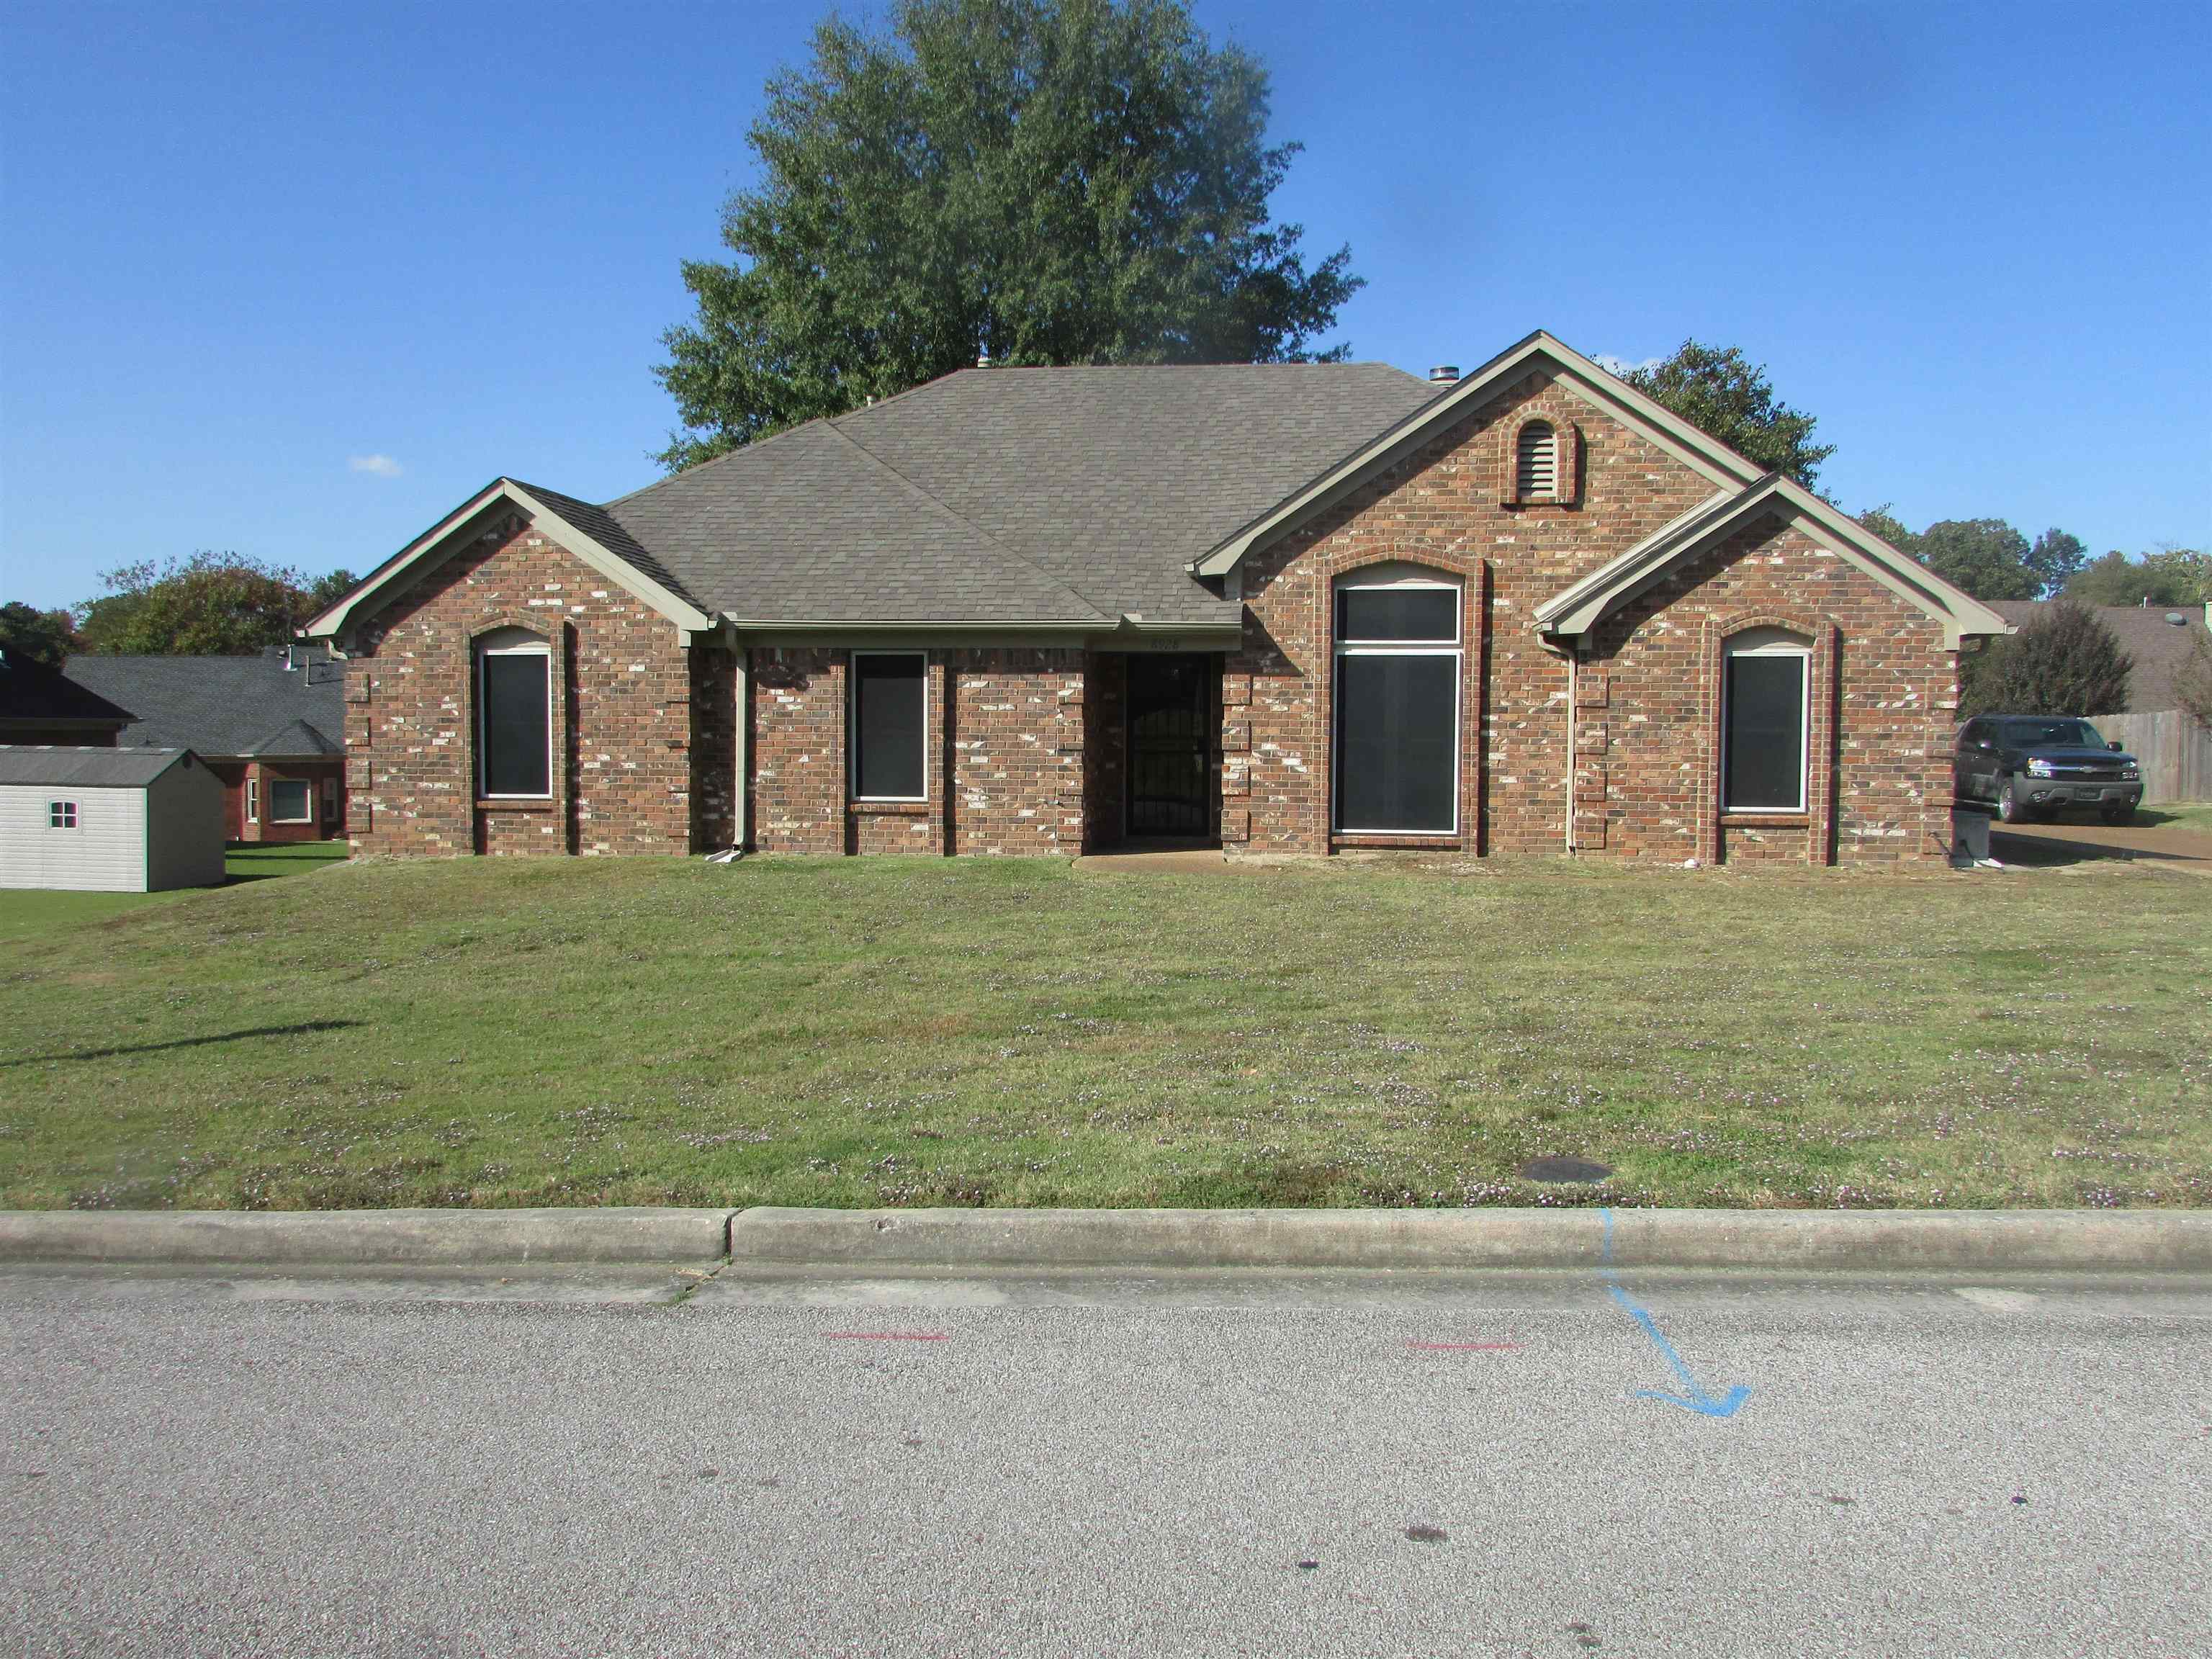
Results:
x,y
514,714
1397,702
1766,720
1536,463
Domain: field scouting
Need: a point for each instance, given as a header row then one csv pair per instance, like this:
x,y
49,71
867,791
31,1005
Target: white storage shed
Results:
x,y
109,820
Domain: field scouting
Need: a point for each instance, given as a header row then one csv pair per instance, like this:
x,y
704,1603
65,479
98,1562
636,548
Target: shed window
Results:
x,y
1397,707
514,714
1536,463
889,719
61,815
290,801
1764,716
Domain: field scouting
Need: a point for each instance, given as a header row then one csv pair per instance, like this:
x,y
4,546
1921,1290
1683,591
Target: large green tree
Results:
x,y
2172,576
31,635
1044,181
1720,391
1987,557
217,604
2064,662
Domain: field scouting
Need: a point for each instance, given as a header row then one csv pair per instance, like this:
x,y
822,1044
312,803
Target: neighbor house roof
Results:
x,y
31,693
92,769
2157,647
1580,606
227,706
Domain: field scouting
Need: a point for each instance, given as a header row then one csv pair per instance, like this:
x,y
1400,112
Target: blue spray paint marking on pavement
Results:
x,y
1693,1398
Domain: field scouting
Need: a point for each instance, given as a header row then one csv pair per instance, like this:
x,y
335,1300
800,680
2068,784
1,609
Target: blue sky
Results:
x,y
294,280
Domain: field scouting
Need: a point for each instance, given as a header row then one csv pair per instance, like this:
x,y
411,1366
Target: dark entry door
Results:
x,y
1170,747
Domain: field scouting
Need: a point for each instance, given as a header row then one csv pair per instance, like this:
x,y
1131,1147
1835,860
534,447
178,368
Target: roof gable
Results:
x,y
32,691
566,519
1579,607
1702,454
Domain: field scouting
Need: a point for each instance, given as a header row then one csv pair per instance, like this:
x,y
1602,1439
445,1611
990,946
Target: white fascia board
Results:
x,y
1576,609
1711,459
427,548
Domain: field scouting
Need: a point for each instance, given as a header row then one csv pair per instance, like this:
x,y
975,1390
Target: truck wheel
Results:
x,y
2010,807
2117,811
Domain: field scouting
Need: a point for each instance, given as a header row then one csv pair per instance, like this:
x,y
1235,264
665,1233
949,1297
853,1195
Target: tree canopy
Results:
x,y
1044,181
1987,557
1720,392
31,635
215,604
2172,576
2065,661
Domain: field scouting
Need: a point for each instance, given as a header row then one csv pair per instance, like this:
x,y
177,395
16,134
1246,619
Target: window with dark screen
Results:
x,y
1397,707
1763,728
514,716
890,742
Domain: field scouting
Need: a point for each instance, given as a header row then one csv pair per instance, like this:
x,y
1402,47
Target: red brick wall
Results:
x,y
622,690
1005,766
1450,507
1884,693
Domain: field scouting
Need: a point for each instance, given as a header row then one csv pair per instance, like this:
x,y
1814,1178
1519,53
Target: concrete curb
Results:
x,y
1876,1241
385,1237
1782,1240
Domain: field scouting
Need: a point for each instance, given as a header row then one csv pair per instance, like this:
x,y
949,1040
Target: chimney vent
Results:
x,y
1443,375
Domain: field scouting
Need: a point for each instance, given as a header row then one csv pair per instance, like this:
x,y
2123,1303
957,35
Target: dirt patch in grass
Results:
x,y
924,1032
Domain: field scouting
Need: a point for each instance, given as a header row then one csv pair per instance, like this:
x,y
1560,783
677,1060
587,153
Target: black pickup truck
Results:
x,y
2032,766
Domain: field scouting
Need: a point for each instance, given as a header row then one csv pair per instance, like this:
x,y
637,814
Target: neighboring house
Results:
x,y
2157,639
109,820
39,705
1286,607
271,727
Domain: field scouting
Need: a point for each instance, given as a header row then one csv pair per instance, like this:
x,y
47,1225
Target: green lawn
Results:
x,y
891,1031
24,913
2178,815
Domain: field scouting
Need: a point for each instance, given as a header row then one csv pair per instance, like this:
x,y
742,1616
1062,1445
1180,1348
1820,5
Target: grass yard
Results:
x,y
23,915
2195,815
890,1031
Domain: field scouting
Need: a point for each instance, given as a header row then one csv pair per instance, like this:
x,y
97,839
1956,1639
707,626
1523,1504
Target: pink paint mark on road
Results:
x,y
1465,1347
884,1336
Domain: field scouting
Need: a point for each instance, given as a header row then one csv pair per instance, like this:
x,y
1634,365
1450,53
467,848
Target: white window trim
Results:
x,y
1457,650
66,811
531,646
252,799
310,816
1773,644
852,727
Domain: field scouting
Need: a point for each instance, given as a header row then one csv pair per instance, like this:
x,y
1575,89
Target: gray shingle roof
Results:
x,y
2157,647
225,705
93,768
1008,494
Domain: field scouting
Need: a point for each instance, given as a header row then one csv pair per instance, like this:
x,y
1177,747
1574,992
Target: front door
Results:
x,y
1170,749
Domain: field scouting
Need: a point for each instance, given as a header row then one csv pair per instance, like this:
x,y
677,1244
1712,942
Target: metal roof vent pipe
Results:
x,y
1443,375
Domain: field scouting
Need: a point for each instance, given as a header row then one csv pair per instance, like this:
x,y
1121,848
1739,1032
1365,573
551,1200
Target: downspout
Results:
x,y
742,691
1573,656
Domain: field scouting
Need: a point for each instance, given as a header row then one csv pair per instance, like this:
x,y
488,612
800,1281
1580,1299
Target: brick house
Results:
x,y
1288,608
271,726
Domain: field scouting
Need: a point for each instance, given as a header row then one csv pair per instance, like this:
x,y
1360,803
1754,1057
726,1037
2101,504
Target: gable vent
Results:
x,y
1536,464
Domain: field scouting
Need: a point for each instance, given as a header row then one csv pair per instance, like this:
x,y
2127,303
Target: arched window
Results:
x,y
1398,650
1536,463
1766,720
514,714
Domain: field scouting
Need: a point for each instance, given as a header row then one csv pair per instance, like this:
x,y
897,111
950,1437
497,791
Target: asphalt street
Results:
x,y
631,1461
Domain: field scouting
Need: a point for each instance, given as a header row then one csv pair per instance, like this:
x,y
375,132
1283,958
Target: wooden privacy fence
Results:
x,y
2176,752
